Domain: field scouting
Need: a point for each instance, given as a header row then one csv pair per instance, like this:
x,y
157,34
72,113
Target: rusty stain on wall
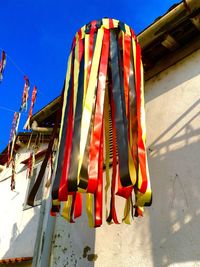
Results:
x,y
90,257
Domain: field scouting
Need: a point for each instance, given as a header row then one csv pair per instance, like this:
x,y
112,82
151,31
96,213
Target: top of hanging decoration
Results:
x,y
101,152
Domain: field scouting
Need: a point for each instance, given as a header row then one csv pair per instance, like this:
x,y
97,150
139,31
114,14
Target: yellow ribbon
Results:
x,y
76,74
87,111
67,208
107,147
86,62
89,209
127,209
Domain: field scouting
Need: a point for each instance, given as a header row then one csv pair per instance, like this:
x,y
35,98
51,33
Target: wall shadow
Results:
x,y
183,76
22,243
174,163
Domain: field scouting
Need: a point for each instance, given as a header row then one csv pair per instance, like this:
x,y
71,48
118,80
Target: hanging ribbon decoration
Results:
x,y
30,114
103,109
25,94
2,64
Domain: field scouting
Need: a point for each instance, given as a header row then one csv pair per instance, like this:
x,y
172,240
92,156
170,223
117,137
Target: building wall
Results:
x,y
168,235
18,226
173,125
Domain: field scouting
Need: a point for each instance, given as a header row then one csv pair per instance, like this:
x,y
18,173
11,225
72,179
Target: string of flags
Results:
x,y
102,125
17,115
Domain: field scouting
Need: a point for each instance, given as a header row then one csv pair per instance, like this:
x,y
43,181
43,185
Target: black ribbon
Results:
x,y
74,157
120,113
58,174
133,112
83,183
38,181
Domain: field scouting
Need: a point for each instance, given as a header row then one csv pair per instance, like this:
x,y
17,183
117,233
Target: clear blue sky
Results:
x,y
37,35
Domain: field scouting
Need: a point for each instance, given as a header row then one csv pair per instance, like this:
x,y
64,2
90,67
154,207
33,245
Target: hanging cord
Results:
x,y
9,109
18,68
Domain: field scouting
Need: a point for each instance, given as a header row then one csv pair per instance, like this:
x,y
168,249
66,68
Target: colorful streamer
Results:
x,y
25,94
2,64
103,109
30,114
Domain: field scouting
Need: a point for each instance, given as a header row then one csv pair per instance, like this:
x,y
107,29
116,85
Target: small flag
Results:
x,y
30,114
2,64
13,135
25,94
31,164
12,184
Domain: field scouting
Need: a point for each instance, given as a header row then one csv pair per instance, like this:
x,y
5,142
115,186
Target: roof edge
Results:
x,y
165,23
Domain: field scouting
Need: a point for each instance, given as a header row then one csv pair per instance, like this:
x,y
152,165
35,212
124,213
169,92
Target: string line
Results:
x,y
9,109
18,68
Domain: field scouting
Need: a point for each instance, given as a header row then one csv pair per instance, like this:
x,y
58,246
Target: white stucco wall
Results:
x,y
173,126
18,227
169,233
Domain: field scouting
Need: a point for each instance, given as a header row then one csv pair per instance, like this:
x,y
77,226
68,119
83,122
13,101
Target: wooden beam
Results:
x,y
194,13
170,43
173,58
196,22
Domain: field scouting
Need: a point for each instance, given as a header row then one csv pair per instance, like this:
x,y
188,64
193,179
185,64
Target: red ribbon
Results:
x,y
63,188
91,48
99,193
113,214
141,147
98,118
